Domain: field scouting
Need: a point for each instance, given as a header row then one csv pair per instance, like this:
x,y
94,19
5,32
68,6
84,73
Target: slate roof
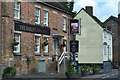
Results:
x,y
113,18
57,5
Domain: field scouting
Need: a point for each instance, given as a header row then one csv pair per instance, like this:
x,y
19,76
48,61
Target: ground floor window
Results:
x,y
46,41
16,43
37,44
65,47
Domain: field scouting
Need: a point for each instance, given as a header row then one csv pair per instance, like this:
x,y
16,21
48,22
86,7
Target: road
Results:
x,y
115,76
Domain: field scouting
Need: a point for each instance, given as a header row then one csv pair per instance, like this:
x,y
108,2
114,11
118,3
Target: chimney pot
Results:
x,y
89,9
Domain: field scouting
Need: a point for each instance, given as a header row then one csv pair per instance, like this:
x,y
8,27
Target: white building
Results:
x,y
95,42
107,43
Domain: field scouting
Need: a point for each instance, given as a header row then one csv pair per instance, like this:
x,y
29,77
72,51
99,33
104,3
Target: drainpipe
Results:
x,y
0,42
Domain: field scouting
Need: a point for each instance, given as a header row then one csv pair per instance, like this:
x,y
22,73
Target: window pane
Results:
x,y
17,39
37,44
16,10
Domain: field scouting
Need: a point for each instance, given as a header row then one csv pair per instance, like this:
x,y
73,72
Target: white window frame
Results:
x,y
37,15
65,48
37,44
64,23
45,17
105,49
16,9
17,40
105,34
46,48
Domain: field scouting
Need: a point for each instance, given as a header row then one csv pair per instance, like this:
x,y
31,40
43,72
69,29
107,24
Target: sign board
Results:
x,y
74,46
74,26
20,26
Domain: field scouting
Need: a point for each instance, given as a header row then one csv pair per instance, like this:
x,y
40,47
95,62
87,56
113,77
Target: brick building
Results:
x,y
113,24
27,29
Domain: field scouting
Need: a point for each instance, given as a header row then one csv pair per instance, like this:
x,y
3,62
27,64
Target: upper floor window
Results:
x,y
64,23
37,14
37,44
105,34
16,40
65,47
16,10
105,48
45,18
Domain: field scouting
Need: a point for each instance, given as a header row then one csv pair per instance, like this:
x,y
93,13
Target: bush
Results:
x,y
96,68
71,69
85,68
9,70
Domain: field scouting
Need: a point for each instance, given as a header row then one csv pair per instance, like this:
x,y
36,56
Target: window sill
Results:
x,y
64,31
54,28
37,24
17,54
46,54
37,54
17,19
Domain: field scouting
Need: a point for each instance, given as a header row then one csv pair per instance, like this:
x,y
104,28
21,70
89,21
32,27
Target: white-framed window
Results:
x,y
105,48
45,18
105,34
46,46
110,50
37,44
65,47
17,39
37,15
16,10
64,24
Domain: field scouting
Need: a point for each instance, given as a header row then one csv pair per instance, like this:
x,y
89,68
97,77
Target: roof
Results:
x,y
113,18
93,17
57,5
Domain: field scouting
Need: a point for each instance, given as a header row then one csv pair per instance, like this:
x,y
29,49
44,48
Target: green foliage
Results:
x,y
96,67
15,43
9,70
74,13
85,68
46,42
70,69
68,5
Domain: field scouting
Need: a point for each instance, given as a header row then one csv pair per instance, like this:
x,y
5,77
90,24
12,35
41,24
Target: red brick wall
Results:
x,y
27,39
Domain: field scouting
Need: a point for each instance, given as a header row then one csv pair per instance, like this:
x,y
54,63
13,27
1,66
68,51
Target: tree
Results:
x,y
68,5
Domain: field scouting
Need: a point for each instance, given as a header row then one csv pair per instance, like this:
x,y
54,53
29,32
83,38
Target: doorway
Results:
x,y
41,66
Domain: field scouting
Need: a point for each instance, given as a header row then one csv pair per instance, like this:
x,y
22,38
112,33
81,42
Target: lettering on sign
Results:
x,y
74,46
20,26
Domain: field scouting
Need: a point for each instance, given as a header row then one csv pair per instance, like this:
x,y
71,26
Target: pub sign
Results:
x,y
74,46
74,26
26,27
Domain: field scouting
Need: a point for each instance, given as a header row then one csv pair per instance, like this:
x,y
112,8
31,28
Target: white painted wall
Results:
x,y
107,52
90,40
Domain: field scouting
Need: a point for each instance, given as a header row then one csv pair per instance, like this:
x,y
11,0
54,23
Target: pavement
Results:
x,y
102,75
54,76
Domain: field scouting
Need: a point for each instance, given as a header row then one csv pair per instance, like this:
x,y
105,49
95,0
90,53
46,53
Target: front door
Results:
x,y
41,66
55,45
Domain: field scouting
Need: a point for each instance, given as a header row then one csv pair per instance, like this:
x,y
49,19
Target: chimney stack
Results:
x,y
89,9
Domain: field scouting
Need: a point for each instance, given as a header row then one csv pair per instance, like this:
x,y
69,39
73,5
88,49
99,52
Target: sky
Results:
x,y
102,9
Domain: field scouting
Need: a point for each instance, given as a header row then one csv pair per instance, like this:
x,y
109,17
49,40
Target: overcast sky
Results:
x,y
101,8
